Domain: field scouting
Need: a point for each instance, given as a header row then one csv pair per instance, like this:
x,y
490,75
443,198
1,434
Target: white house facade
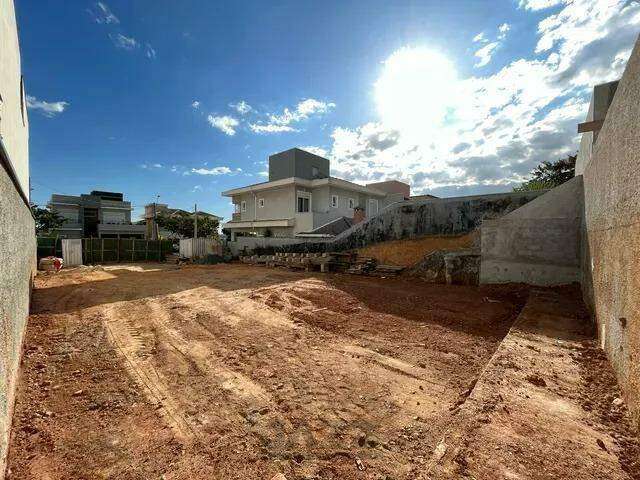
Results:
x,y
300,197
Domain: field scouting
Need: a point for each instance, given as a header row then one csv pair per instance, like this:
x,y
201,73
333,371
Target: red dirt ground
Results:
x,y
242,372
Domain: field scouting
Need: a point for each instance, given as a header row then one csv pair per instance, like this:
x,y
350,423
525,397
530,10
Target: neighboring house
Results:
x,y
98,214
156,209
302,198
17,226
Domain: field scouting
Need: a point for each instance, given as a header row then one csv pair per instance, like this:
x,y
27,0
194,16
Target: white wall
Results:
x,y
14,124
278,204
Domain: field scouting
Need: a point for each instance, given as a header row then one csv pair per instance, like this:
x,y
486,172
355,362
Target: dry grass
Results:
x,y
408,252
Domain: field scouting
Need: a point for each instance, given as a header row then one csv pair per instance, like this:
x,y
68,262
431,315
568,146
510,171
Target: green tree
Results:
x,y
550,174
46,220
183,225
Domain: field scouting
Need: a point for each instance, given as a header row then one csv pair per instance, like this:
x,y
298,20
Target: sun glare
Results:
x,y
416,91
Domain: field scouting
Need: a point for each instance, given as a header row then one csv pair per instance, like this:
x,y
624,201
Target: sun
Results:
x,y
416,91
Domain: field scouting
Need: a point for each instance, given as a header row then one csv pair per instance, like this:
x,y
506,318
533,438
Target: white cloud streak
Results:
x,y
223,170
225,124
48,109
102,14
123,42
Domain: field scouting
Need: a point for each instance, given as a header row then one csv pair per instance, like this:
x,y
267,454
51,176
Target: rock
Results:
x,y
362,438
279,476
78,393
617,402
439,451
372,442
602,445
536,380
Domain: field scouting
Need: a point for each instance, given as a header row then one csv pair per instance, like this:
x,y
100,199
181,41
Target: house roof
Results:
x,y
337,182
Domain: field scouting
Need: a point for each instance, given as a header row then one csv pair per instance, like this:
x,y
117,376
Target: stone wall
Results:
x,y
538,244
611,253
18,254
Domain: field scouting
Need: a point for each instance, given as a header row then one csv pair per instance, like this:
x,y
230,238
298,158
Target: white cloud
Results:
x,y
241,107
270,128
149,51
539,4
225,124
196,188
124,42
316,150
102,14
195,104
216,171
491,130
278,123
48,109
485,53
503,30
157,165
480,38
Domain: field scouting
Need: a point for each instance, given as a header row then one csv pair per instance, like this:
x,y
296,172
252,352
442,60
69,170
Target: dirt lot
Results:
x,y
234,371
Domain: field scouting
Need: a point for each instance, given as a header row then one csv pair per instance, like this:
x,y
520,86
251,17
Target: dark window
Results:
x,y
315,172
22,98
303,205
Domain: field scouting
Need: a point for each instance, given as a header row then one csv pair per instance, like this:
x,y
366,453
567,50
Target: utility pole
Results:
x,y
154,231
195,221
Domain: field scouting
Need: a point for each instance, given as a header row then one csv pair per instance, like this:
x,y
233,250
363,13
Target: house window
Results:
x,y
303,204
243,206
352,203
334,201
315,172
261,202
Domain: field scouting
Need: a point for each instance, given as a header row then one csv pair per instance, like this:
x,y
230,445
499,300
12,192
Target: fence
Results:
x,y
49,247
99,250
199,247
72,252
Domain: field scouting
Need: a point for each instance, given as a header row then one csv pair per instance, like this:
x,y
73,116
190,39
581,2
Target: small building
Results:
x,y
97,214
152,210
301,198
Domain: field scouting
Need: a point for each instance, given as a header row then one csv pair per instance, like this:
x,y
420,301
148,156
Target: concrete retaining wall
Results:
x,y
18,254
538,244
611,254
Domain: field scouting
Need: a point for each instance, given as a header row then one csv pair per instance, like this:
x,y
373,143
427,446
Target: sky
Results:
x,y
187,99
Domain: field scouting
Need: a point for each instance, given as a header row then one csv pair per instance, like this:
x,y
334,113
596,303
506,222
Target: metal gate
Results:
x,y
199,247
72,252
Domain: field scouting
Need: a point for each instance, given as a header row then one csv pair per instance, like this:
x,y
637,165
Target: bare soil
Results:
x,y
241,372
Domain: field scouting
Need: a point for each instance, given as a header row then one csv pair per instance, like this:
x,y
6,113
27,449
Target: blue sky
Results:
x,y
187,99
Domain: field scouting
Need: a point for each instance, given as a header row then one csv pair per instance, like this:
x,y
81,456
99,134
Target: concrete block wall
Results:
x,y
611,249
538,244
18,253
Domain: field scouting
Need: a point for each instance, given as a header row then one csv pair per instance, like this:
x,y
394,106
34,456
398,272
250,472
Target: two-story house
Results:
x,y
98,214
301,197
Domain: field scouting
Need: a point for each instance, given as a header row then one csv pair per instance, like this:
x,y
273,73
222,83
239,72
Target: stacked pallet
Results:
x,y
363,266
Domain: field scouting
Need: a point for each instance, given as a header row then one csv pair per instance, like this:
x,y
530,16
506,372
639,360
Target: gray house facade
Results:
x,y
97,214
